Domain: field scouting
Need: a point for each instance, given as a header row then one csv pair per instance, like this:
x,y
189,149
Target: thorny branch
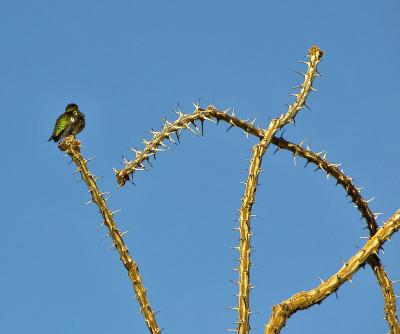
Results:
x,y
305,299
72,147
362,205
259,150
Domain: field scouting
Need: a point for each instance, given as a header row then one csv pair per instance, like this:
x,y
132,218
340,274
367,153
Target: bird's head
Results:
x,y
71,107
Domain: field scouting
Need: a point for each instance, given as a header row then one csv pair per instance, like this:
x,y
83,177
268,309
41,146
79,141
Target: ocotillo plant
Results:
x,y
368,254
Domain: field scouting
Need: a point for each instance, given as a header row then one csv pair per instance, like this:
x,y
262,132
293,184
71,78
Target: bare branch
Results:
x,y
259,150
306,299
333,169
72,147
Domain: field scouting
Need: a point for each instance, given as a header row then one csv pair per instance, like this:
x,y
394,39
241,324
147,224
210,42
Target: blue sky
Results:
x,y
127,64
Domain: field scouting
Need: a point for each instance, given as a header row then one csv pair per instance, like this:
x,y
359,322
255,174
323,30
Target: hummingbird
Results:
x,y
71,122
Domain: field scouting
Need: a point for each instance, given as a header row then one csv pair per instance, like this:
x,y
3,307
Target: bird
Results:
x,y
71,122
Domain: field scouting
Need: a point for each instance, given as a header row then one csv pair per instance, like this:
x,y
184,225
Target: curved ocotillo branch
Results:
x,y
362,205
305,299
72,147
184,121
258,152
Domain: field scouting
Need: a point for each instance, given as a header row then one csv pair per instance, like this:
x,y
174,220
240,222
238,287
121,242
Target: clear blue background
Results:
x,y
127,64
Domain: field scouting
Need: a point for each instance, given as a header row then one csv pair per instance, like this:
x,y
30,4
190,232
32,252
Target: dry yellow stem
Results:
x,y
71,146
387,292
305,299
374,261
259,150
184,121
245,237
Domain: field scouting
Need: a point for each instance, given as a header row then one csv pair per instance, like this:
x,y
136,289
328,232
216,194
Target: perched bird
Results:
x,y
71,122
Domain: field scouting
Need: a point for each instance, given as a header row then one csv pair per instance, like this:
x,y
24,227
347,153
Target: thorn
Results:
x,y
351,282
369,200
124,160
89,202
195,126
300,73
158,150
230,127
154,133
226,110
196,105
90,159
322,281
148,161
189,128
137,152
116,211
304,62
105,237
302,142
101,225
232,308
163,145
167,123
